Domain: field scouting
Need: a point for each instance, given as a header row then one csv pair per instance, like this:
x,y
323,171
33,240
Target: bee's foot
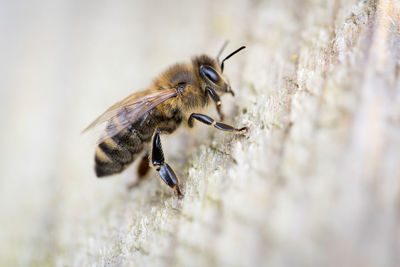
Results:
x,y
179,192
246,129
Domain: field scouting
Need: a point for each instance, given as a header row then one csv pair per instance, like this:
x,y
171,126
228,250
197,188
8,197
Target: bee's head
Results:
x,y
211,72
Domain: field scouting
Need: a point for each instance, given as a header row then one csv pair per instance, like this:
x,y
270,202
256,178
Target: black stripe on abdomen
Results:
x,y
104,164
114,154
115,151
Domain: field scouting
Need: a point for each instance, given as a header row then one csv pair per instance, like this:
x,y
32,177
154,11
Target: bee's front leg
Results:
x,y
166,173
217,101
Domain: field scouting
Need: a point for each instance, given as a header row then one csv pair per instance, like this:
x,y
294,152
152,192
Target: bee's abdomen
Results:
x,y
114,154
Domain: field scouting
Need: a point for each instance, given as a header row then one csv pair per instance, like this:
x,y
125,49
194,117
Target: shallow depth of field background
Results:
x,y
314,183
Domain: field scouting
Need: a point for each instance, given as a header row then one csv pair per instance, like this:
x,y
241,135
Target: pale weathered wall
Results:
x,y
315,182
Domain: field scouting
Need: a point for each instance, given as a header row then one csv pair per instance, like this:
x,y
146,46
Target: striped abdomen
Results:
x,y
114,154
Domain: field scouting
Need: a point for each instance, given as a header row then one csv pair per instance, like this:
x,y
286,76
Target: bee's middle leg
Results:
x,y
210,121
166,173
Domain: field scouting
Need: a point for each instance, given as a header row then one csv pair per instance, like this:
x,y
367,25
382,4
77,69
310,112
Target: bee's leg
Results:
x,y
164,170
217,101
142,170
144,166
210,121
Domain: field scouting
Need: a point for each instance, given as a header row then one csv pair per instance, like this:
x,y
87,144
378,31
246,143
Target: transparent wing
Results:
x,y
127,111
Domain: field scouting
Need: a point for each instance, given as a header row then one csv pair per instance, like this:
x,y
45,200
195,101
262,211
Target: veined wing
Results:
x,y
127,111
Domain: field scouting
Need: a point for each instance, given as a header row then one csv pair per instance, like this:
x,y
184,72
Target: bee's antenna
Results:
x,y
231,54
222,50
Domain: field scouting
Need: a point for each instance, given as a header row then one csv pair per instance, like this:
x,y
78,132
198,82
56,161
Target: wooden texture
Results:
x,y
315,182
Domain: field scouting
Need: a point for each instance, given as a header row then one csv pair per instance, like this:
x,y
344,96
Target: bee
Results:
x,y
133,125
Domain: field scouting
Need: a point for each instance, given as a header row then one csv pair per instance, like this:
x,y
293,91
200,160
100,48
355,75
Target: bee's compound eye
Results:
x,y
210,73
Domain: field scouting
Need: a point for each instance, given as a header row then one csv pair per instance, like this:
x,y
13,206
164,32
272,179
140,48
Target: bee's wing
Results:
x,y
127,111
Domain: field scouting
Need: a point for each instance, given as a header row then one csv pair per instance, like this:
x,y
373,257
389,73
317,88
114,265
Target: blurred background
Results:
x,y
314,183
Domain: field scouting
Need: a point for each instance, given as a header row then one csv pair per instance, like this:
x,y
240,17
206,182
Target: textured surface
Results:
x,y
316,182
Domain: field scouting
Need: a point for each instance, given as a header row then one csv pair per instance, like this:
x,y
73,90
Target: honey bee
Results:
x,y
129,126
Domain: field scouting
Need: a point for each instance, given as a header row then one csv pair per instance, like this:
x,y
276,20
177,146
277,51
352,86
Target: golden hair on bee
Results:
x,y
131,128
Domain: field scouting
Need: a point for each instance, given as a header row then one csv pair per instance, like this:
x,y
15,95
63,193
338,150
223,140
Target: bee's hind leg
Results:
x,y
166,173
142,170
144,166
